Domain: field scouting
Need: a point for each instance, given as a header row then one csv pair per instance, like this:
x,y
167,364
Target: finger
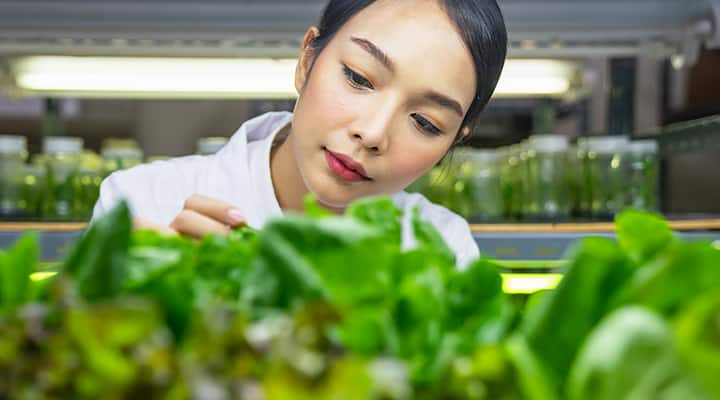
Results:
x,y
196,225
140,224
216,209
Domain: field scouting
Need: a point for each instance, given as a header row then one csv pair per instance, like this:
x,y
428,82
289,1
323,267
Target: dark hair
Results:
x,y
479,22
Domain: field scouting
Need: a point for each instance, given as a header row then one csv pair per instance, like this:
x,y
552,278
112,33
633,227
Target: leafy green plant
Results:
x,y
610,319
316,306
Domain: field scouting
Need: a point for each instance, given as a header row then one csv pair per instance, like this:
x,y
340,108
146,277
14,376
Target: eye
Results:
x,y
356,80
425,125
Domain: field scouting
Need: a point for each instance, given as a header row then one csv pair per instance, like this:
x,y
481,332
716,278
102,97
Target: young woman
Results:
x,y
386,88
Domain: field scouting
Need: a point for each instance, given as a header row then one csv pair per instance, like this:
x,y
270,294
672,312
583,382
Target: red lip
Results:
x,y
350,163
345,167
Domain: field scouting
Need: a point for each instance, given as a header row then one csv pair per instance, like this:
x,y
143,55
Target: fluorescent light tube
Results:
x,y
535,77
227,78
156,77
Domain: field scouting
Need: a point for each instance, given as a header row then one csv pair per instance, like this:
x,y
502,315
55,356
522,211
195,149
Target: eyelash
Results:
x,y
425,125
358,81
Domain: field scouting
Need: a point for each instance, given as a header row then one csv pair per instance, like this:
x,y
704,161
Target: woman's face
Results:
x,y
388,93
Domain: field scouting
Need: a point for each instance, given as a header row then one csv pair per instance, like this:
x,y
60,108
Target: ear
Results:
x,y
307,56
464,133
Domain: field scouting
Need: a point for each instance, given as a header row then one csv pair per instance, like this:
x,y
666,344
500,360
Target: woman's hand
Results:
x,y
200,216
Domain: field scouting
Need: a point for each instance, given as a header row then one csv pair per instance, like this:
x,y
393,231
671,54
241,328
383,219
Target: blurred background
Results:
x,y
602,105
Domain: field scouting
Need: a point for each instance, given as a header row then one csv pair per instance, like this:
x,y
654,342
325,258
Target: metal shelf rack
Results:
x,y
521,246
683,137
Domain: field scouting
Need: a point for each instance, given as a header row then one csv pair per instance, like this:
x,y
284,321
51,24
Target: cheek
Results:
x,y
323,104
413,161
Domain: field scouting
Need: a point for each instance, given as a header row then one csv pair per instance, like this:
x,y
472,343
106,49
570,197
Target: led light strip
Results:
x,y
512,283
529,283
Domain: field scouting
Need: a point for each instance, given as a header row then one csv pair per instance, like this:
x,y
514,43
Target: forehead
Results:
x,y
422,41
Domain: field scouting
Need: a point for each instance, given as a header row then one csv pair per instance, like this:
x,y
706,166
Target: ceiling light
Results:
x,y
155,77
140,77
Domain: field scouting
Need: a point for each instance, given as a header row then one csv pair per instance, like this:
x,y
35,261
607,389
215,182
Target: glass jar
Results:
x,y
62,156
152,159
120,158
511,181
522,205
210,145
547,184
34,188
487,190
505,181
89,178
583,178
574,179
13,154
88,191
606,175
119,153
461,191
642,171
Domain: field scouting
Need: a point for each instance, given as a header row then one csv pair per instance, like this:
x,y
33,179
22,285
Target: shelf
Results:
x,y
531,255
541,247
586,227
42,226
683,137
517,247
54,245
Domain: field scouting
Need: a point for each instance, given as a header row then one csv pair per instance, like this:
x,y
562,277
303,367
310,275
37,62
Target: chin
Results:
x,y
332,195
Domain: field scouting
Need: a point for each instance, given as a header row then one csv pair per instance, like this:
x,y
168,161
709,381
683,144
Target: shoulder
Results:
x,y
157,191
263,125
153,191
170,171
453,228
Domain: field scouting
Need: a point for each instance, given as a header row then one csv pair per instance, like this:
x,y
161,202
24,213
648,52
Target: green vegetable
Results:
x,y
631,355
697,331
16,265
561,319
648,267
97,262
316,306
673,278
643,235
534,379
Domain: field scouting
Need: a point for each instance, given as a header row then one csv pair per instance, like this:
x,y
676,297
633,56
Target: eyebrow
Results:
x,y
444,101
385,60
375,52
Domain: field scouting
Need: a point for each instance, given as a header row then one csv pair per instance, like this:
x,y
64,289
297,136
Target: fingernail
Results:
x,y
236,216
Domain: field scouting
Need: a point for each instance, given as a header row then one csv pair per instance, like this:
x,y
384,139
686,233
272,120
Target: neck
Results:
x,y
288,184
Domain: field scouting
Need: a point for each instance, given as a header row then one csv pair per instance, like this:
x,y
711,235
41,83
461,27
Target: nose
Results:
x,y
373,131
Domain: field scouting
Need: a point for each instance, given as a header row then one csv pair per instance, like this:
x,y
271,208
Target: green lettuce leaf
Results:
x,y
97,262
643,235
631,355
559,321
16,266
